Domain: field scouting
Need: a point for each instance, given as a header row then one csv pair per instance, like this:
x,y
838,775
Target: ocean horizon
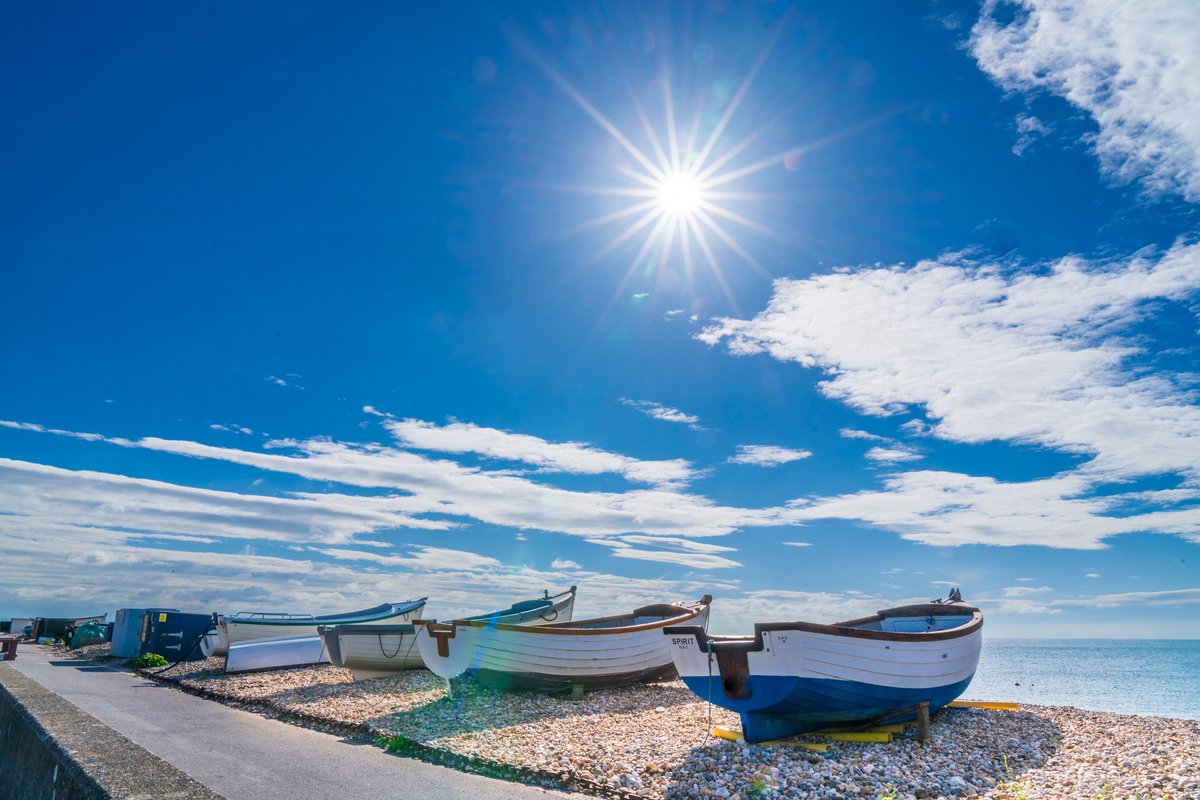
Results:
x,y
1157,677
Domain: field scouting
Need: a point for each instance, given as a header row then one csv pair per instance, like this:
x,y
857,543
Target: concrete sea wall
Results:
x,y
54,751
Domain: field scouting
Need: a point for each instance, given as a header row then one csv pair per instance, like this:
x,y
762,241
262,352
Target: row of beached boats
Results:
x,y
786,678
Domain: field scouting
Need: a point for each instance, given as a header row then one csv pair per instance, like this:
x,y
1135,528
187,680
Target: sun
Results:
x,y
679,195
680,187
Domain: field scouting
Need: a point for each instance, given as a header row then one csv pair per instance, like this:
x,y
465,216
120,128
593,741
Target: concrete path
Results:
x,y
244,756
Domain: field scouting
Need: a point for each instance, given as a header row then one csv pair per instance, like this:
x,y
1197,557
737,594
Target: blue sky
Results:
x,y
818,308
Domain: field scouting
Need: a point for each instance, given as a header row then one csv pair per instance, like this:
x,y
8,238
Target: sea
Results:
x,y
1158,677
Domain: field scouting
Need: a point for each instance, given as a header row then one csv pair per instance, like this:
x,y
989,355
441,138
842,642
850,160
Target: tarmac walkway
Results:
x,y
245,756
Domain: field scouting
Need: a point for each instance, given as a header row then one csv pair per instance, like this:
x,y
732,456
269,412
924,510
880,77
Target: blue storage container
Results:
x,y
129,631
174,634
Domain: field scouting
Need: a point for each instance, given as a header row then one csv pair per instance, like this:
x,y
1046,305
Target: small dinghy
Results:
x,y
797,677
591,653
291,640
376,651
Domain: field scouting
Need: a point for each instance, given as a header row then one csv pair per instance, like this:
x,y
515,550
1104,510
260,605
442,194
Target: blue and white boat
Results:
x,y
798,677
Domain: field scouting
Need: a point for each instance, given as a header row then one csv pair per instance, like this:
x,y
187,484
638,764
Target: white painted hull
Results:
x,y
820,656
791,678
375,651
264,654
556,656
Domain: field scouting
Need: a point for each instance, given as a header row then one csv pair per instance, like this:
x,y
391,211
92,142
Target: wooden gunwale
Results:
x,y
382,611
686,613
757,642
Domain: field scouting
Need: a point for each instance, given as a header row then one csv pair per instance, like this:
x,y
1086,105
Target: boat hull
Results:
x,y
377,651
372,651
788,680
265,654
557,657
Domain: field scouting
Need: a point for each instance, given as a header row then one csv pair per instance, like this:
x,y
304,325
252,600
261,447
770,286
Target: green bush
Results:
x,y
149,660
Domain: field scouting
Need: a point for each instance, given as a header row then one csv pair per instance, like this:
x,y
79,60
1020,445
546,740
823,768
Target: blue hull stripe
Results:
x,y
784,705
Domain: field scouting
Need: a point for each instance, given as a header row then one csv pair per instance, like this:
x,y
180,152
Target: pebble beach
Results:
x,y
652,741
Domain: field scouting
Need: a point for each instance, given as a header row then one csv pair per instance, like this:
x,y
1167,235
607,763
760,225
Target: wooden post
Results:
x,y
923,722
576,692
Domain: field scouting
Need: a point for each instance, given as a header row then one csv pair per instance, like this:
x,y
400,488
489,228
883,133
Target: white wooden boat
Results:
x,y
247,626
262,654
795,677
592,653
376,651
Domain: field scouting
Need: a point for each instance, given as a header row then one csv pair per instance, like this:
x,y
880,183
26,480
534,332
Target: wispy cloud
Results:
x,y
1029,130
664,413
564,563
799,544
892,455
681,552
1132,69
242,429
853,433
572,457
447,490
766,455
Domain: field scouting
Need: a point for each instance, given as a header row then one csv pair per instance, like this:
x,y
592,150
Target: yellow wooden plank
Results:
x,y
726,733
996,706
897,728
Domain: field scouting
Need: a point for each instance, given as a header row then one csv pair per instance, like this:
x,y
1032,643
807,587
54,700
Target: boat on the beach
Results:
x,y
592,653
262,654
797,677
246,626
376,651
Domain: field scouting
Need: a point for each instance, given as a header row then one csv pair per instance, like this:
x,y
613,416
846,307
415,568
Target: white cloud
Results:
x,y
641,295
446,489
799,544
692,555
1092,575
684,545
563,563
1042,357
1132,66
1030,129
1025,591
765,455
216,426
664,413
892,455
851,433
948,508
420,559
1168,597
572,457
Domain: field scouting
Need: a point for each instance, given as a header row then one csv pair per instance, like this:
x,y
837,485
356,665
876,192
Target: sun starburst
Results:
x,y
680,191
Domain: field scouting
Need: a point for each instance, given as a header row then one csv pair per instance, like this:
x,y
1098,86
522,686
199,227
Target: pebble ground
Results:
x,y
651,741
